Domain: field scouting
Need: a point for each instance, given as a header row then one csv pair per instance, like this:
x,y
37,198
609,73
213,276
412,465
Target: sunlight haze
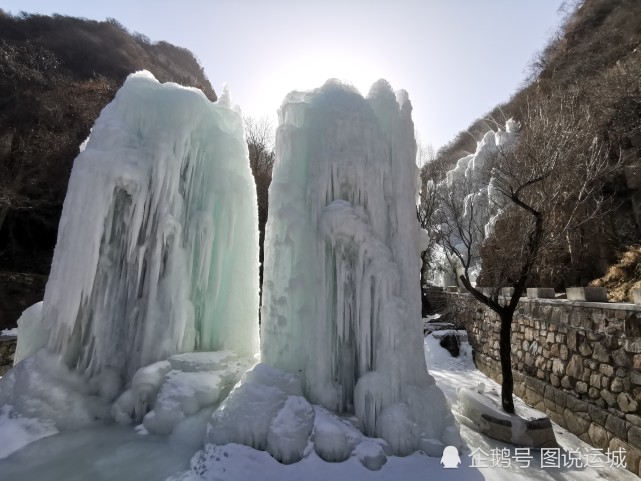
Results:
x,y
457,59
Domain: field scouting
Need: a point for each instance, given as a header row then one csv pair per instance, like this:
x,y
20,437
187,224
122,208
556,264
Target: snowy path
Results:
x,y
119,454
451,373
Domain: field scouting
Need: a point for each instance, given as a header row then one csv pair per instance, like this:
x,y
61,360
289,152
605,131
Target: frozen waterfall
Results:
x,y
472,179
156,255
341,301
156,250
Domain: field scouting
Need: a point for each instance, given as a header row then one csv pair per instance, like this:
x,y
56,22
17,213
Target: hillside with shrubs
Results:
x,y
591,66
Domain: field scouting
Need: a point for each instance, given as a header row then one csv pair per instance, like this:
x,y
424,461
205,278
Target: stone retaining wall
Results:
x,y
579,362
7,350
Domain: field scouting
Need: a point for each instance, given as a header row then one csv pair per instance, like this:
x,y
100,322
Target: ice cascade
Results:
x,y
157,244
341,303
473,175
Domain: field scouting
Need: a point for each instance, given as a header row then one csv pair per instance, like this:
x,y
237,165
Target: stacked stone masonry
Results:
x,y
7,350
578,362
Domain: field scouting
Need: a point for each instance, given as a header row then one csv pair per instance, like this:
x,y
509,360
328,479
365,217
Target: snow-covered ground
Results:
x,y
117,453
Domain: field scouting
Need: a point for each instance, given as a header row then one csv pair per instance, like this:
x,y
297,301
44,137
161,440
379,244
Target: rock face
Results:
x,y
451,342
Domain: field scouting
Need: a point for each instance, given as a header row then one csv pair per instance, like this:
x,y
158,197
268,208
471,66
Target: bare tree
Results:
x,y
425,153
259,134
541,189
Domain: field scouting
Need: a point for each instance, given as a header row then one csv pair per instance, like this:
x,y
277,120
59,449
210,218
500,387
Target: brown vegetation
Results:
x,y
259,134
595,58
548,185
622,276
56,75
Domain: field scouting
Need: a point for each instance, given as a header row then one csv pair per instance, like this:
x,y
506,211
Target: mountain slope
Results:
x,y
595,57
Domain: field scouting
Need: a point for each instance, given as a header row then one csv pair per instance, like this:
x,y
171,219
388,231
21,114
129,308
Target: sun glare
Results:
x,y
311,70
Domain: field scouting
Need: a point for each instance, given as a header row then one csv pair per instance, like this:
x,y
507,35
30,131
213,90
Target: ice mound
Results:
x,y
266,412
371,455
167,393
331,442
257,413
157,245
45,390
33,334
473,174
290,429
335,440
341,302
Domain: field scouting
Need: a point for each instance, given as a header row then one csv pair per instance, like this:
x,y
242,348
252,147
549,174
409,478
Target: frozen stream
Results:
x,y
122,454
98,454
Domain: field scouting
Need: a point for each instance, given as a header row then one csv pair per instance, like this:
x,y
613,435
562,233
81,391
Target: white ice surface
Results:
x,y
120,454
9,332
17,432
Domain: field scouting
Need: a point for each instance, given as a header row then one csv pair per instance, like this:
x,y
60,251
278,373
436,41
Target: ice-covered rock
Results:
x,y
157,245
32,333
290,429
330,438
371,455
246,415
167,393
256,414
481,410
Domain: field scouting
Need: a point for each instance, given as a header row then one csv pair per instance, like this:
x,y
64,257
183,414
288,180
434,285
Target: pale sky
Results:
x,y
456,58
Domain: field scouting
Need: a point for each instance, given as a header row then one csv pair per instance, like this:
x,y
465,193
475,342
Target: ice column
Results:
x,y
157,246
341,300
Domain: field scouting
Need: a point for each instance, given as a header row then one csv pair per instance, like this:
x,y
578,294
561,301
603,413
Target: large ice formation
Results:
x,y
341,302
471,177
156,255
156,250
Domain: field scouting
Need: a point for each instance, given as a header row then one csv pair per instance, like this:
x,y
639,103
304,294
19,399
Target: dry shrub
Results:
x,y
622,276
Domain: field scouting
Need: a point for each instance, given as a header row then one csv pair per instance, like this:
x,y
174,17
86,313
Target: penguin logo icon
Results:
x,y
450,457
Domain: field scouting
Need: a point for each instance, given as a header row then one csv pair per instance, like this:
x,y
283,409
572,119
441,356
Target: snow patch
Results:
x,y
9,332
